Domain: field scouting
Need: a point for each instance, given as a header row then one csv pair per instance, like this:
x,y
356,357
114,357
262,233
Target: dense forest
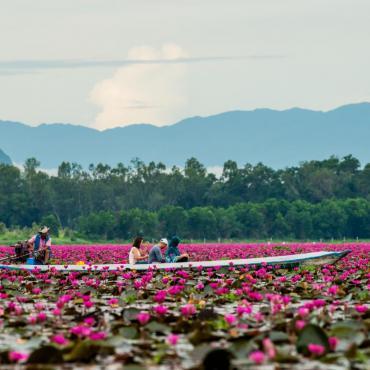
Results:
x,y
317,199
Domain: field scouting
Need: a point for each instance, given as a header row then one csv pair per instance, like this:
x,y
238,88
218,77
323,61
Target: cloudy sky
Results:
x,y
107,63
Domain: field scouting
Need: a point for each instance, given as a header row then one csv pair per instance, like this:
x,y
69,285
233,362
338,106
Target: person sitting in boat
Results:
x,y
20,251
173,253
135,256
155,253
40,245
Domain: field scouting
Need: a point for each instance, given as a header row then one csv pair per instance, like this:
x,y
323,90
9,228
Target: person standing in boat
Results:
x,y
173,253
135,256
155,253
40,245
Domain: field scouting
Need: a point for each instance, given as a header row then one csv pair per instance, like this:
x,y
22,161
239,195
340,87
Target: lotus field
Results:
x,y
258,317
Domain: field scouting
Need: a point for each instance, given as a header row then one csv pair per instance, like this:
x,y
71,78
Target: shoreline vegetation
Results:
x,y
317,200
68,237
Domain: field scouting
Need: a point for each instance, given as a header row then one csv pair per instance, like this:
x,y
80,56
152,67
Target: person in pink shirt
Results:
x,y
40,245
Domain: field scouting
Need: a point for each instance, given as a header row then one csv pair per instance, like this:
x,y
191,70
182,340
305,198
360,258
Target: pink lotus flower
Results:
x,y
113,301
333,290
41,317
199,286
88,304
269,348
56,312
303,311
241,310
188,310
258,316
333,342
15,356
361,308
300,324
98,335
143,317
230,319
90,321
258,357
80,331
316,349
160,296
172,339
319,303
160,310
39,306
32,320
59,339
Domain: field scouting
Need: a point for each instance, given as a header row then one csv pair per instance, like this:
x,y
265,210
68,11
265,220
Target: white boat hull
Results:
x,y
312,258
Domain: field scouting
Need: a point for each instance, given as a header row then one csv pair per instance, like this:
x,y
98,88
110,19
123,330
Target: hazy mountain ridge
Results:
x,y
276,138
4,158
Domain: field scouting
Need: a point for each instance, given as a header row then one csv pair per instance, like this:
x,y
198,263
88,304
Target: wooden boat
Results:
x,y
312,258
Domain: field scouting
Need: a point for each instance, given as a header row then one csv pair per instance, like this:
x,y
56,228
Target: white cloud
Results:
x,y
143,93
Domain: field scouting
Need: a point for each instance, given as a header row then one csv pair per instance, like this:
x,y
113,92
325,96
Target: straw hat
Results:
x,y
44,230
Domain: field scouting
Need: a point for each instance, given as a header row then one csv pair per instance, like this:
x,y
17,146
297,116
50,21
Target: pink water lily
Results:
x,y
333,342
143,317
95,336
316,349
15,356
361,308
230,319
269,348
172,339
300,324
258,357
59,339
87,306
160,310
188,310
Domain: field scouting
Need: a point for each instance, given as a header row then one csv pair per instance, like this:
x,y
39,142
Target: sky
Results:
x,y
108,63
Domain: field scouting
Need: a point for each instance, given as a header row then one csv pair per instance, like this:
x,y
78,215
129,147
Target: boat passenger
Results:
x,y
135,256
173,253
21,252
40,245
155,254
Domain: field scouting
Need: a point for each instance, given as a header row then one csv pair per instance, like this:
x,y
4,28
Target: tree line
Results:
x,y
317,199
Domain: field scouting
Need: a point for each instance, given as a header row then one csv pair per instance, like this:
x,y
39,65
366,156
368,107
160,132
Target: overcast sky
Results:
x,y
107,63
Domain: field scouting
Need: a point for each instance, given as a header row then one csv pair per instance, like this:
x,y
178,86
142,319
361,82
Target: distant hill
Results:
x,y
276,138
4,159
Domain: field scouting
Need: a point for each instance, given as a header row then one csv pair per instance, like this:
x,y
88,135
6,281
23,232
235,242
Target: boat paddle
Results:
x,y
15,257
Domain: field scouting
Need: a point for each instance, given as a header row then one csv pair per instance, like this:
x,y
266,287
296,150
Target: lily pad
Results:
x,y
312,334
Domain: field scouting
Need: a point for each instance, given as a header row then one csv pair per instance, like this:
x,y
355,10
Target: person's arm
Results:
x,y
47,255
139,257
31,244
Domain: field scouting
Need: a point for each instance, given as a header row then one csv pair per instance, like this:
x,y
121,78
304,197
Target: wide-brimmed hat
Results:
x,y
44,230
164,241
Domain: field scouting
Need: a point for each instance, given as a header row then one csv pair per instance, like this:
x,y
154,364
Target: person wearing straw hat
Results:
x,y
40,245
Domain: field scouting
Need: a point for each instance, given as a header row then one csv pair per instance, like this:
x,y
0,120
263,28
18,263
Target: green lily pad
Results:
x,y
311,334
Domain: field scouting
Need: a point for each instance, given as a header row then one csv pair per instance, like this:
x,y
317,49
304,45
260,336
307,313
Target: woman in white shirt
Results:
x,y
135,256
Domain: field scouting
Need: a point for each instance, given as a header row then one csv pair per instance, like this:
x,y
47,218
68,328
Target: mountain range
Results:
x,y
276,138
4,158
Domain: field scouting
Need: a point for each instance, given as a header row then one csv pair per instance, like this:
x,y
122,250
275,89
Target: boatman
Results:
x,y
40,245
